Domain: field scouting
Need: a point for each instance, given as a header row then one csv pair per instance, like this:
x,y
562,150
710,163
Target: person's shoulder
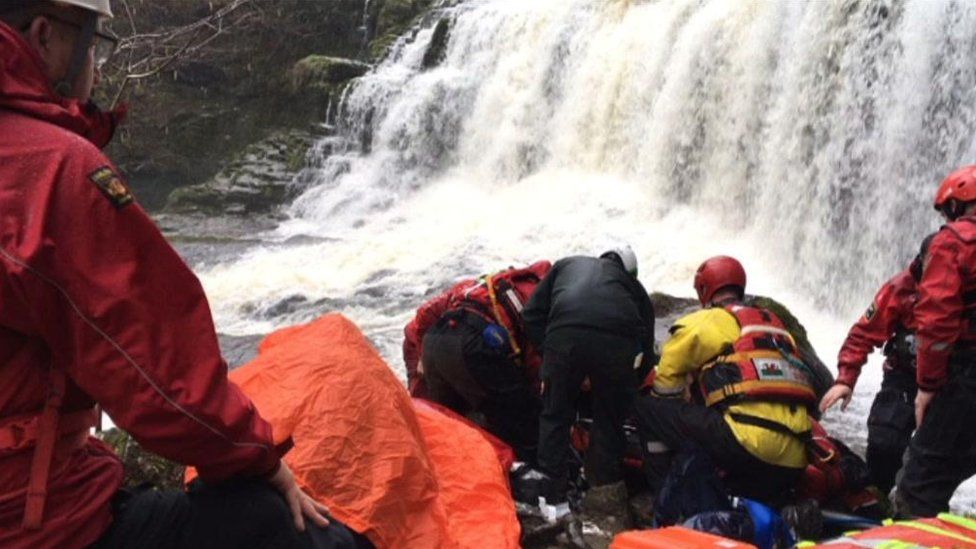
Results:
x,y
962,230
710,315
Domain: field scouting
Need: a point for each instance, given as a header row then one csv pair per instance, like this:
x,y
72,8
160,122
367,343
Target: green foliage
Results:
x,y
142,466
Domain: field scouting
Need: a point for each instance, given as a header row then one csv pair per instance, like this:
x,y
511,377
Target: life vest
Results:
x,y
501,297
46,433
762,365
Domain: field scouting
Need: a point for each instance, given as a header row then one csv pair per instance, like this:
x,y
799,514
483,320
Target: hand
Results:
x,y
300,503
922,401
835,393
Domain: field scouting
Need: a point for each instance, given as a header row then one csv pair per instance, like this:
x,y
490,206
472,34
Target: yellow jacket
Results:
x,y
696,340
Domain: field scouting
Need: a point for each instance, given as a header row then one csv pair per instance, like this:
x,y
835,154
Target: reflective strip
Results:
x,y
658,390
936,530
874,543
956,520
655,447
753,328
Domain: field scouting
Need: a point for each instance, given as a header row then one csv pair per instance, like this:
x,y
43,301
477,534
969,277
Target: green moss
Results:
x,y
142,466
322,74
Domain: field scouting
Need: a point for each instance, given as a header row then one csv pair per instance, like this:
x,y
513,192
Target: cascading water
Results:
x,y
805,138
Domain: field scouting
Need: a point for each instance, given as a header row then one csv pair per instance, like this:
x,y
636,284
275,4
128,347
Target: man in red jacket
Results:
x,y
466,349
97,308
942,454
889,321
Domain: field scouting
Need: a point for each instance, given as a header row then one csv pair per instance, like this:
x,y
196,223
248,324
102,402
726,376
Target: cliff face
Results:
x,y
269,71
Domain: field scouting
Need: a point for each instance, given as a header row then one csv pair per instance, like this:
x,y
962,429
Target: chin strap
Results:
x,y
66,85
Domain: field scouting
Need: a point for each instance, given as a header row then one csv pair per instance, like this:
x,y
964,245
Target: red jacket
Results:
x,y
891,310
473,294
91,293
946,301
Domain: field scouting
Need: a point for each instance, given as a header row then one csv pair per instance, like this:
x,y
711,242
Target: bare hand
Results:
x,y
922,401
300,503
839,392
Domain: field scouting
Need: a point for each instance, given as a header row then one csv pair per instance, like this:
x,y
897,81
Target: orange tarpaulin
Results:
x,y
405,478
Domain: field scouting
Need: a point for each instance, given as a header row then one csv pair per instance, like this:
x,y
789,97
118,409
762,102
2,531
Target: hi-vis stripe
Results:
x,y
876,543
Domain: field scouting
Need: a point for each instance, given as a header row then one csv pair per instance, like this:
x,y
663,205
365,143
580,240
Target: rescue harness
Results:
x,y
48,432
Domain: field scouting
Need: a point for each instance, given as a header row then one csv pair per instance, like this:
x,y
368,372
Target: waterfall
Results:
x,y
821,129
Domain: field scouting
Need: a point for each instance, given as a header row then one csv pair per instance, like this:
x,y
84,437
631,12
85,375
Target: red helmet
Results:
x,y
717,273
960,186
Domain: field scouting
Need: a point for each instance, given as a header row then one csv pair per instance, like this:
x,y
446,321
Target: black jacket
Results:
x,y
590,293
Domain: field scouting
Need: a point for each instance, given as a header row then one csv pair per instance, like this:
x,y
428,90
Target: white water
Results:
x,y
804,138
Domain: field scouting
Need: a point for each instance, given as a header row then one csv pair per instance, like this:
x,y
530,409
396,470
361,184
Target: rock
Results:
x,y
667,305
239,350
142,466
393,18
438,44
257,181
323,75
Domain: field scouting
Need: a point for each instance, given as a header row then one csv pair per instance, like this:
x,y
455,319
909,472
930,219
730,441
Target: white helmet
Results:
x,y
101,7
626,255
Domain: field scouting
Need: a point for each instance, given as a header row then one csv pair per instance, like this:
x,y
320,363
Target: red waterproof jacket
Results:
x,y
946,309
92,296
890,313
473,294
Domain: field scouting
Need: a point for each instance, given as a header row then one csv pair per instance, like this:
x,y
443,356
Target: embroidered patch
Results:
x,y
112,186
869,314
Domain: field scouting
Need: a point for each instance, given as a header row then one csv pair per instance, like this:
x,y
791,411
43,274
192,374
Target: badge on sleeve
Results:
x,y
112,186
872,310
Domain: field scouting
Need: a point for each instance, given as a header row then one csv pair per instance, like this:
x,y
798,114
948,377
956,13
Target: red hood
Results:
x,y
24,88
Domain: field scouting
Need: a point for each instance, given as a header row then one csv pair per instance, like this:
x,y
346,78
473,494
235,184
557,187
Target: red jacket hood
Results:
x,y
25,89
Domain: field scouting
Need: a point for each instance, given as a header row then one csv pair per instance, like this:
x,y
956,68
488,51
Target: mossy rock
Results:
x,y
258,180
322,74
393,18
142,466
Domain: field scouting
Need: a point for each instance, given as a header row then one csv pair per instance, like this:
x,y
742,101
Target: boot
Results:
x,y
605,508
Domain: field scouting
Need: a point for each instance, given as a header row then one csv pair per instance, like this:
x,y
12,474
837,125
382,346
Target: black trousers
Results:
x,y
942,454
239,514
890,426
464,374
570,355
671,425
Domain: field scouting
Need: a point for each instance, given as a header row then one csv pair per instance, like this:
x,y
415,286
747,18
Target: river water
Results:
x,y
804,138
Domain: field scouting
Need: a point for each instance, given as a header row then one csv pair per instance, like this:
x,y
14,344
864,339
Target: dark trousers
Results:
x,y
890,426
237,514
464,374
570,355
942,454
671,425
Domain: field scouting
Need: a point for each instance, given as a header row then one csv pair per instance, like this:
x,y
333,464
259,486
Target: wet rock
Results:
x,y
286,306
259,180
666,305
239,350
322,75
393,18
438,44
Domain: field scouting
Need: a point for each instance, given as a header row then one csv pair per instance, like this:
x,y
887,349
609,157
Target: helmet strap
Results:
x,y
66,85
